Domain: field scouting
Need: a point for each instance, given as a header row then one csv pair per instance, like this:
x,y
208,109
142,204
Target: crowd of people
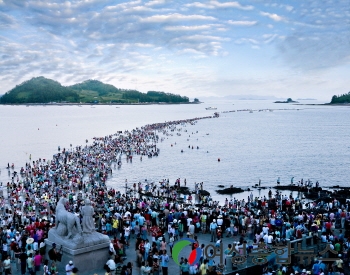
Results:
x,y
157,215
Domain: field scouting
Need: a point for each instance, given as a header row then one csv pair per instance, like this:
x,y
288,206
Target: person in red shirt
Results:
x,y
142,247
37,261
343,218
328,226
12,247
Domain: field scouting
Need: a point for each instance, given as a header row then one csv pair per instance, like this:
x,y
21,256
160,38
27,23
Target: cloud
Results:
x,y
318,51
188,28
320,38
217,4
247,41
154,40
268,38
201,38
175,17
242,23
272,16
6,20
155,2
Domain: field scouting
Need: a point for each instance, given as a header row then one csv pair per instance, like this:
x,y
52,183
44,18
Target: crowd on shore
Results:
x,y
156,214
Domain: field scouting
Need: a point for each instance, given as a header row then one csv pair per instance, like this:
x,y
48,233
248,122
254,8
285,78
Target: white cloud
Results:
x,y
242,23
289,8
216,4
155,2
188,28
199,37
231,5
6,20
272,16
142,45
154,40
175,17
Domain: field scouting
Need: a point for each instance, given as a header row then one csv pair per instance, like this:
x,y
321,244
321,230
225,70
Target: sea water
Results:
x,y
309,142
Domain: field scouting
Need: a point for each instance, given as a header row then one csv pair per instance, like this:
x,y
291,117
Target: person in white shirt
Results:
x,y
219,221
111,264
265,229
69,268
127,231
147,247
269,239
189,220
265,238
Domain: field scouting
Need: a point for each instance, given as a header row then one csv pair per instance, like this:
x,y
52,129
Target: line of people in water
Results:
x,y
83,173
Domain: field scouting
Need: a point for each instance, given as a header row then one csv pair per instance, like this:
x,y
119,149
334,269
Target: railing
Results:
x,y
304,245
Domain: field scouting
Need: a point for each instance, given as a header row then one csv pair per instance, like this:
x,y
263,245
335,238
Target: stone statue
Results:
x,y
67,224
71,234
87,211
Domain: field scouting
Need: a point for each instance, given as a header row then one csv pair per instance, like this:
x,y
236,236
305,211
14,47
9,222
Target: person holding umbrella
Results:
x,y
29,243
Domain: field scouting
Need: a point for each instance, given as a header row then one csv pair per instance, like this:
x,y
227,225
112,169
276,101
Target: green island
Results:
x,y
289,100
341,99
41,90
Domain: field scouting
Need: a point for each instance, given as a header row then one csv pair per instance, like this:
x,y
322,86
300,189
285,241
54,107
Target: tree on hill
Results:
x,y
344,98
153,96
97,86
39,90
43,90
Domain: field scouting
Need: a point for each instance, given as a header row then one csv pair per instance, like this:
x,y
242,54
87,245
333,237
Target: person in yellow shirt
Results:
x,y
203,267
115,224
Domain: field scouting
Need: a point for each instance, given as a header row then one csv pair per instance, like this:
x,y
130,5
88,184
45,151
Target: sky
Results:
x,y
297,49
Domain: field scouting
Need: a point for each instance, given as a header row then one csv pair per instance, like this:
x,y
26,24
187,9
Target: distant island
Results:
x,y
342,99
41,90
289,100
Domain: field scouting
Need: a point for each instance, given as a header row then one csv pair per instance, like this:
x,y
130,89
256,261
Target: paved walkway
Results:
x,y
131,257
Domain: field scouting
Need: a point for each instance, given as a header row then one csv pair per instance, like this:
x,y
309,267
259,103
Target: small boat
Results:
x,y
211,108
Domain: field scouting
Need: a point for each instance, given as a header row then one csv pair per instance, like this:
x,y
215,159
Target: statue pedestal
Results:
x,y
88,252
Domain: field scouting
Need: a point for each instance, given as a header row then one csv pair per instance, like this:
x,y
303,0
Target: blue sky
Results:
x,y
285,49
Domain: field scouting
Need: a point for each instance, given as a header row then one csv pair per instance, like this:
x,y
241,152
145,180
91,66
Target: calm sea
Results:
x,y
309,143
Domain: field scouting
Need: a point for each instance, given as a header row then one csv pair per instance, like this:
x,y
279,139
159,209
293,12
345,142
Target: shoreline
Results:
x,y
323,104
97,104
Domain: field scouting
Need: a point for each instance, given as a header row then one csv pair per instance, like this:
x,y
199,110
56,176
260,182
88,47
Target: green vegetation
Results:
x,y
39,90
289,100
345,98
43,90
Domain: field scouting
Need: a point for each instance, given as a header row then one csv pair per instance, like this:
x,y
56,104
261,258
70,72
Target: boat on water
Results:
x,y
211,108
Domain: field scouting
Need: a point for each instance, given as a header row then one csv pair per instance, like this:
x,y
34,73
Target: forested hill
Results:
x,y
43,90
39,90
97,86
345,98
